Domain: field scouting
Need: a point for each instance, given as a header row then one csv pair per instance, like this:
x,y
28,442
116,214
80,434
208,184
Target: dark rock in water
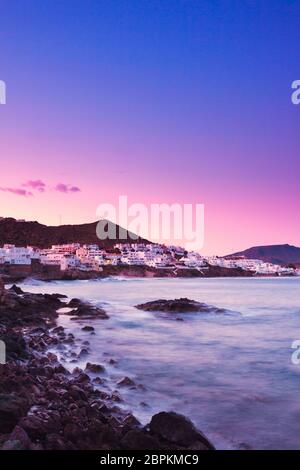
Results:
x,y
178,430
16,289
59,296
98,380
182,305
74,303
88,328
95,368
83,352
115,396
126,382
86,311
58,330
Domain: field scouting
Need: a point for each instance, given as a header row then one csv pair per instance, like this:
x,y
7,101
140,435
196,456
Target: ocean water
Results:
x,y
231,373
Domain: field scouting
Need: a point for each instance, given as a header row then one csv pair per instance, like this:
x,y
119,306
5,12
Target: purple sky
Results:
x,y
163,101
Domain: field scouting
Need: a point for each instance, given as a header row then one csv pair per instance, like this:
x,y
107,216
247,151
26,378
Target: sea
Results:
x,y
234,374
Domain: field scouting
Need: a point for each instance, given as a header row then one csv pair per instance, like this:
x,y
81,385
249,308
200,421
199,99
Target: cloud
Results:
x,y
66,188
33,186
17,191
38,185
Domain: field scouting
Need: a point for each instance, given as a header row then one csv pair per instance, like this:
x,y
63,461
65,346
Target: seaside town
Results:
x,y
76,257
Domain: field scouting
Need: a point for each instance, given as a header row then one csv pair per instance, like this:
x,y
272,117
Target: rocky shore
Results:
x,y
15,273
44,406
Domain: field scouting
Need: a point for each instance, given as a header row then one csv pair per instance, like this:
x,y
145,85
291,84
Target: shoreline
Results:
x,y
43,406
132,272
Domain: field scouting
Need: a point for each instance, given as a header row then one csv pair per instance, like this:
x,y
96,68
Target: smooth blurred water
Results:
x,y
230,373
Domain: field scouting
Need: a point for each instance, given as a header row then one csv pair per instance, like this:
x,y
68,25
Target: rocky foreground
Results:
x,y
45,407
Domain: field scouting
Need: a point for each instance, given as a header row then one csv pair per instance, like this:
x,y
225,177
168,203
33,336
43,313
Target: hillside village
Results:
x,y
76,257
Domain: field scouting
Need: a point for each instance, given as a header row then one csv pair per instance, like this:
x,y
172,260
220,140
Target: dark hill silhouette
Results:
x,y
21,233
277,254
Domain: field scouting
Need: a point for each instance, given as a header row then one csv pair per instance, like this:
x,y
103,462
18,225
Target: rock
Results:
x,y
16,289
89,312
182,305
12,408
126,382
2,291
59,296
95,368
131,421
74,303
137,439
41,423
58,442
15,344
85,311
82,377
112,361
178,430
72,431
77,393
18,440
13,445
58,330
98,381
115,396
83,352
88,328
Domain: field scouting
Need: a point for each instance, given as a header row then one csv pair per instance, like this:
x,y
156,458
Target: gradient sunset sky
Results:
x,y
164,101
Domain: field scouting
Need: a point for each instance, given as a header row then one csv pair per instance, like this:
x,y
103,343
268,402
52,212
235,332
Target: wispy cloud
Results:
x,y
66,188
37,185
17,191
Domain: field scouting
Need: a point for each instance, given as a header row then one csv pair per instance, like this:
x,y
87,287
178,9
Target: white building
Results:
x,y
17,255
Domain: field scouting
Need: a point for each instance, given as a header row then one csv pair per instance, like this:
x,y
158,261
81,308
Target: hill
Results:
x,y
277,254
21,233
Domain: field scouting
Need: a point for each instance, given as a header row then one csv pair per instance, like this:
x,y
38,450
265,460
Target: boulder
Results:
x,y
88,328
138,439
12,408
182,305
18,440
126,382
16,289
178,430
94,368
2,290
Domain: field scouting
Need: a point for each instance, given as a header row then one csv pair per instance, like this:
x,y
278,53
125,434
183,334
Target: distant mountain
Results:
x,y
277,254
21,233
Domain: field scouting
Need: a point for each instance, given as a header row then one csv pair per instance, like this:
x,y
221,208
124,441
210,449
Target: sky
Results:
x,y
170,101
